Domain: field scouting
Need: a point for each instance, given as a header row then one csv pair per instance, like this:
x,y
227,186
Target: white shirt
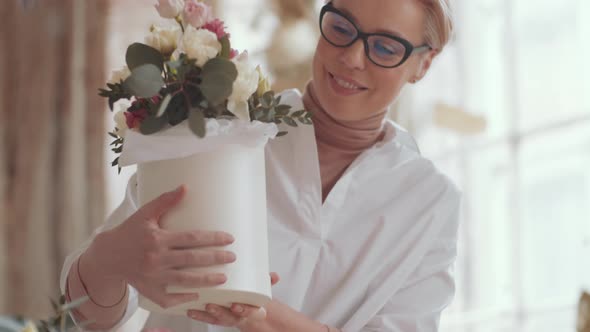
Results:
x,y
375,256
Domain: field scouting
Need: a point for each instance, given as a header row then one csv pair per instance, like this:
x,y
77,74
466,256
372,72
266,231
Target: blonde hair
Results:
x,y
439,23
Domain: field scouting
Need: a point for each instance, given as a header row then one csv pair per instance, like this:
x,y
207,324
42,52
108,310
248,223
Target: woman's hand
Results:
x,y
149,258
238,315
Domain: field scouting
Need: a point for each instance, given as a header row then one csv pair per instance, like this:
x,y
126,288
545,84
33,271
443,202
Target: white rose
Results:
x,y
119,117
196,13
201,45
164,40
244,86
120,75
30,327
240,109
169,8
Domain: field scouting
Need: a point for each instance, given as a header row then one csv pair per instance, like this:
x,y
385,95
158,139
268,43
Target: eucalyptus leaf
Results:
x,y
289,121
139,54
283,109
297,114
145,81
196,122
225,47
164,106
152,125
218,77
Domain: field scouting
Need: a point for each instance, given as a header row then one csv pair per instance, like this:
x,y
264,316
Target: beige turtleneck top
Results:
x,y
339,142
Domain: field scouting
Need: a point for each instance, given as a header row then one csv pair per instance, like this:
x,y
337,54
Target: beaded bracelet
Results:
x,y
88,293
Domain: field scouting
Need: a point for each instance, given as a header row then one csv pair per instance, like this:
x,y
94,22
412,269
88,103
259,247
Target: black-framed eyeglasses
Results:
x,y
382,49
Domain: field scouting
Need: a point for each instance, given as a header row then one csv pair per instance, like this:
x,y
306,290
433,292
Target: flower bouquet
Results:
x,y
196,112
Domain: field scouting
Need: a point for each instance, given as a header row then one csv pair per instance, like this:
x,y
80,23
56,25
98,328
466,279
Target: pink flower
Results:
x,y
135,118
169,8
196,13
233,53
156,99
217,27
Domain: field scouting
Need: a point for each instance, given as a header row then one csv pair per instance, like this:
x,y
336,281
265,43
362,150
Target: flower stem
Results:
x,y
179,21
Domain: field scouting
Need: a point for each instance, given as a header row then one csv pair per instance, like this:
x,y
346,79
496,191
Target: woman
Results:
x,y
363,230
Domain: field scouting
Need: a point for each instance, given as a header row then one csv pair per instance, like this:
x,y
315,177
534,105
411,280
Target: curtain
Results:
x,y
52,56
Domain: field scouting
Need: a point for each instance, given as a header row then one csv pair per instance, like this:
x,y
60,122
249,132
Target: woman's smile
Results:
x,y
344,86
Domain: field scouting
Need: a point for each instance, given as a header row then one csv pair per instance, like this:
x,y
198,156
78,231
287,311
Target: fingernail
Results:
x,y
238,309
229,239
179,189
211,309
220,278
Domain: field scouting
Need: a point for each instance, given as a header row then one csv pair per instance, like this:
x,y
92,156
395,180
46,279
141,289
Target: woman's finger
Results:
x,y
196,258
159,296
224,315
197,239
203,317
155,209
243,310
192,279
274,278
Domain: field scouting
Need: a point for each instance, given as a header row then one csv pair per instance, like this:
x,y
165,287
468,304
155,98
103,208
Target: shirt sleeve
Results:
x,y
418,304
123,211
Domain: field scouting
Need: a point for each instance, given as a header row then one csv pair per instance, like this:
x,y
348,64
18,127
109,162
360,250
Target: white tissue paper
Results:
x,y
226,191
178,141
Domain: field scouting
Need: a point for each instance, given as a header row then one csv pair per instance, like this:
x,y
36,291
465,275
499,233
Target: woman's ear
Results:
x,y
424,65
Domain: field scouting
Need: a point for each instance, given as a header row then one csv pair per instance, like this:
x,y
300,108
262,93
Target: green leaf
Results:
x,y
86,323
278,100
281,134
75,304
139,54
257,114
164,105
115,162
196,122
225,47
305,121
297,114
218,77
54,305
290,122
174,65
267,99
113,135
145,81
152,125
283,109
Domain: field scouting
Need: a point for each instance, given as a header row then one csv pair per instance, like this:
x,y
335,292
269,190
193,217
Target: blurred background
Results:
x,y
505,111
